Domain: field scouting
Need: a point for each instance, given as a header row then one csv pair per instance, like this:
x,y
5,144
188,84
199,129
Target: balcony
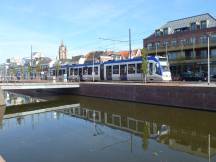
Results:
x,y
181,47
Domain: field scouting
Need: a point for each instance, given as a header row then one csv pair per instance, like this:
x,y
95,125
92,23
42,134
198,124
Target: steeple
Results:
x,y
62,51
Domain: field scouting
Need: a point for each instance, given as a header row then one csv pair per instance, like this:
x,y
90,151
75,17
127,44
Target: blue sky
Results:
x,y
44,23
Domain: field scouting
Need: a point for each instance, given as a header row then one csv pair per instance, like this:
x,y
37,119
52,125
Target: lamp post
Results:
x,y
93,72
208,61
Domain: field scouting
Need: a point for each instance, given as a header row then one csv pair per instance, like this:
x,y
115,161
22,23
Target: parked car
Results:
x,y
191,76
213,77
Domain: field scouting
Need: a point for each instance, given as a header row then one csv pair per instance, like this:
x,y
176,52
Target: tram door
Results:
x,y
109,72
102,72
80,74
123,72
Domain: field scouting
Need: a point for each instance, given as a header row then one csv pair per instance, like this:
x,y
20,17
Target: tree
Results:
x,y
29,70
57,67
146,135
38,68
22,72
144,63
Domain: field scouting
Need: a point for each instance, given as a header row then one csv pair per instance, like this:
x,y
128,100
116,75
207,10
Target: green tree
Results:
x,y
144,63
22,72
146,136
29,70
57,67
38,68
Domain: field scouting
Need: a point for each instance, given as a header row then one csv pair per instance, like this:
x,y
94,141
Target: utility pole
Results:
x,y
31,63
209,147
129,43
208,62
93,71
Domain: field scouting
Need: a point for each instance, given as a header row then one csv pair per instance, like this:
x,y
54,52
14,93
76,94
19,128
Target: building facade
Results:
x,y
62,51
185,43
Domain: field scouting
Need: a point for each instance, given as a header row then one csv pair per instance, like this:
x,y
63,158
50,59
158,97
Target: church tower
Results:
x,y
62,51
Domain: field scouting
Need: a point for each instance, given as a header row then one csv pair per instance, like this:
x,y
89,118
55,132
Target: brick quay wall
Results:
x,y
195,97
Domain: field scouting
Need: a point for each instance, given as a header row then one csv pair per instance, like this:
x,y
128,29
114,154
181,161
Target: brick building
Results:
x,y
185,42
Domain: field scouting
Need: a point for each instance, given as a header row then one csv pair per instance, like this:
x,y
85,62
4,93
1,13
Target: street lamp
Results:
x,y
208,60
93,72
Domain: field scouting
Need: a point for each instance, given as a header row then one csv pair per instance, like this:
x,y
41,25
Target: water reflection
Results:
x,y
176,138
18,99
2,111
149,133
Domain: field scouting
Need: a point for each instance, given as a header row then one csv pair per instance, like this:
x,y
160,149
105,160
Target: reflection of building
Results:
x,y
62,51
2,111
178,139
185,43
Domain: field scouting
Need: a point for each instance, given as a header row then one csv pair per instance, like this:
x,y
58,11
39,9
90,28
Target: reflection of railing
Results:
x,y
124,123
161,132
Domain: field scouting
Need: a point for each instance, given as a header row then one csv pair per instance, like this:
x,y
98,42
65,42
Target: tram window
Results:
x,y
109,70
165,68
53,72
157,69
131,69
139,68
151,68
96,70
75,71
63,71
71,71
89,70
116,69
60,72
85,71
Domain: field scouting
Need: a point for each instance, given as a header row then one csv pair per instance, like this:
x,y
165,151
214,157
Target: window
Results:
x,y
71,71
157,69
193,26
53,73
192,40
203,54
157,44
213,53
63,71
165,68
96,70
76,71
203,39
115,69
203,24
172,55
183,42
174,43
157,32
213,38
109,72
89,70
165,31
85,71
149,46
131,69
139,68
151,68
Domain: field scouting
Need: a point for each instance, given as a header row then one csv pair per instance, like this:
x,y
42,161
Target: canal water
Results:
x,y
83,129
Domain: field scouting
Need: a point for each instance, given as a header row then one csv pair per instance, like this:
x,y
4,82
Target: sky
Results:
x,y
81,23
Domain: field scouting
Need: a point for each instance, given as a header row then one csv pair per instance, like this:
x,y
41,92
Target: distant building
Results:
x,y
62,51
80,59
185,42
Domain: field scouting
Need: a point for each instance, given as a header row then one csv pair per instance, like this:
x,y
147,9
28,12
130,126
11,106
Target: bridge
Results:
x,y
49,85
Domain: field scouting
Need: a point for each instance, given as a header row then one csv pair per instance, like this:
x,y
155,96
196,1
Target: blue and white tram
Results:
x,y
84,72
158,69
58,74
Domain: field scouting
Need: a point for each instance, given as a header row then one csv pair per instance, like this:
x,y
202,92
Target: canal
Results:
x,y
80,129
